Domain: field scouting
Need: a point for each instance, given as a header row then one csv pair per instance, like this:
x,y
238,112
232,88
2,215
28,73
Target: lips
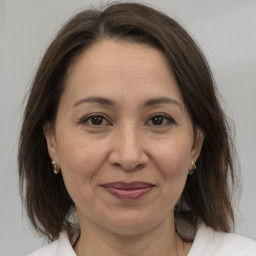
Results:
x,y
128,191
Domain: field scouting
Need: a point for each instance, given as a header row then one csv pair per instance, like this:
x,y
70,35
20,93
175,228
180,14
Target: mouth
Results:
x,y
128,191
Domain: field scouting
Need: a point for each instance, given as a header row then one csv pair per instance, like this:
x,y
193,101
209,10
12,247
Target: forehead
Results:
x,y
112,67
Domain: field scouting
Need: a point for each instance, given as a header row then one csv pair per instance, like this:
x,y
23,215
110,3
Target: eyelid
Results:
x,y
85,119
166,116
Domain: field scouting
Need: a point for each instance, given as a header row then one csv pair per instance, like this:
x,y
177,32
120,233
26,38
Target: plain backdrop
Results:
x,y
225,30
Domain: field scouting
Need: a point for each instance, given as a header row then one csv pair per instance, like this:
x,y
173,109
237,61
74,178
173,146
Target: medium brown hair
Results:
x,y
206,196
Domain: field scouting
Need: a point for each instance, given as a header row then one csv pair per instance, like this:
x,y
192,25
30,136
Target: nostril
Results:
x,y
128,155
129,167
140,166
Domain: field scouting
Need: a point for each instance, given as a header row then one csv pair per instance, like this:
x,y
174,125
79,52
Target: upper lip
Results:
x,y
128,185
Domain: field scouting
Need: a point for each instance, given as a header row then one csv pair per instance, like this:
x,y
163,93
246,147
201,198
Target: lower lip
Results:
x,y
128,195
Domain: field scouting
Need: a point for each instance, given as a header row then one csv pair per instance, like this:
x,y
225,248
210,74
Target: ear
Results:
x,y
50,137
197,145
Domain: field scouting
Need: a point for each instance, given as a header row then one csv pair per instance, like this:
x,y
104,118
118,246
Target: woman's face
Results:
x,y
123,137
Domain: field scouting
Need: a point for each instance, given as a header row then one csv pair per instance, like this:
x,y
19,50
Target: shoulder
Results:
x,y
60,247
214,243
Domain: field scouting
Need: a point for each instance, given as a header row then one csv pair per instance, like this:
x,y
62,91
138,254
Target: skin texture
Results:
x,y
132,138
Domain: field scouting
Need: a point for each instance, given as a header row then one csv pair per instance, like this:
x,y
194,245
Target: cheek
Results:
x,y
172,163
80,160
174,172
76,152
173,158
80,165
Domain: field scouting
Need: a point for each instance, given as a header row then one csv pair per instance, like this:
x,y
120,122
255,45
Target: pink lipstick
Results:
x,y
128,191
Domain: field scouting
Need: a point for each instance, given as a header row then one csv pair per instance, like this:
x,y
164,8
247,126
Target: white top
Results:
x,y
206,243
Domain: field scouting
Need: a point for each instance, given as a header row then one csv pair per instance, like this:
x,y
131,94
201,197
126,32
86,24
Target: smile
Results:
x,y
128,191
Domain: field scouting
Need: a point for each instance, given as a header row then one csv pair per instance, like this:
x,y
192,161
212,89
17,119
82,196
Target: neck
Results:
x,y
162,240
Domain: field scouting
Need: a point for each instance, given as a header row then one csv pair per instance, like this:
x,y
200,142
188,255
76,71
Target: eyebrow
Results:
x,y
161,100
99,100
147,103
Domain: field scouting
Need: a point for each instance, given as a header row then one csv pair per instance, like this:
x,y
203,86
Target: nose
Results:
x,y
127,151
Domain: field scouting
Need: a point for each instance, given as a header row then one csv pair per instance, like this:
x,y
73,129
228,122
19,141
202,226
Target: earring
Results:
x,y
56,170
193,168
193,165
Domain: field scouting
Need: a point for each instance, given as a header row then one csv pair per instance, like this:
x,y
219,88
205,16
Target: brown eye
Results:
x,y
157,120
95,120
160,120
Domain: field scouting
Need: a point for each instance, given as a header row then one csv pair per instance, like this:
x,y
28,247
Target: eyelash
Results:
x,y
169,120
88,118
85,120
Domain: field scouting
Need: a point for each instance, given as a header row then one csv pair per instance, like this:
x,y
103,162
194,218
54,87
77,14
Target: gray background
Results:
x,y
226,31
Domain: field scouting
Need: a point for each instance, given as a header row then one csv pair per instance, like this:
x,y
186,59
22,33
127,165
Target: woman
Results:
x,y
123,128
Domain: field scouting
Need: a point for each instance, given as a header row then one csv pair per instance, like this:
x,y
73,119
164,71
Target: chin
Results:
x,y
133,225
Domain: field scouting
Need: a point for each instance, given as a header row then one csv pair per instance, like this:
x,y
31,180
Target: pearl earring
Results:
x,y
56,170
193,168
